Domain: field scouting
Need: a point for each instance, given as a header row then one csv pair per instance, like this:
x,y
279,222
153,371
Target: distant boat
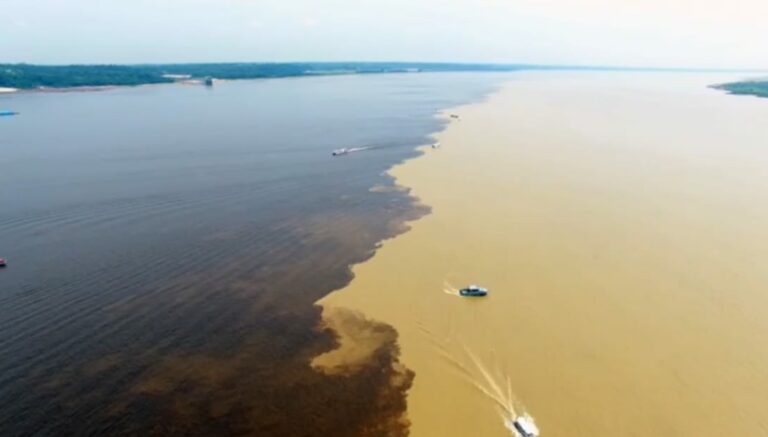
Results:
x,y
473,291
339,152
8,113
3,262
348,150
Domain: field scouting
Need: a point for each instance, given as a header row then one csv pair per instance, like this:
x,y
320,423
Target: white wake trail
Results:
x,y
497,390
450,289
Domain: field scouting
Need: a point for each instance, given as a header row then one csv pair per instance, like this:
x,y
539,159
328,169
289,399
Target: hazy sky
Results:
x,y
674,33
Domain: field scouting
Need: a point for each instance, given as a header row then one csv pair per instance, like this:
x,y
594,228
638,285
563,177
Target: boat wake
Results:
x,y
498,391
450,289
487,377
360,149
348,150
495,386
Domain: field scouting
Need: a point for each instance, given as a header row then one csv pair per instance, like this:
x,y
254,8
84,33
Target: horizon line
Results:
x,y
431,63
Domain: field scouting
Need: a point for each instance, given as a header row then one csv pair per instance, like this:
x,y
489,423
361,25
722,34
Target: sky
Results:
x,y
636,33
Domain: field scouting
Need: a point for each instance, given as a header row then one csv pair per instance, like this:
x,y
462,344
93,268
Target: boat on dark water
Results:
x,y
347,150
3,262
8,113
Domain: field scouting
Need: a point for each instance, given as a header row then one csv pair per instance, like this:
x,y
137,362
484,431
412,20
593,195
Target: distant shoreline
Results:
x,y
68,78
756,87
54,78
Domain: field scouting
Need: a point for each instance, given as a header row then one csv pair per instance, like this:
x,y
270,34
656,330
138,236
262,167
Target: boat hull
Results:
x,y
467,293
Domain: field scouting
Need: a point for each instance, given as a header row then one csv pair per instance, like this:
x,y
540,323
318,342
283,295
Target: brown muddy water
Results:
x,y
620,221
166,247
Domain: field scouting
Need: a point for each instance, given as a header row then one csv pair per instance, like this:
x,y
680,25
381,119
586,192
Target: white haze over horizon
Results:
x,y
633,33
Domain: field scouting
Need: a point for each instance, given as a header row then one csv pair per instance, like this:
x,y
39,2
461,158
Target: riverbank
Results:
x,y
753,87
623,250
83,77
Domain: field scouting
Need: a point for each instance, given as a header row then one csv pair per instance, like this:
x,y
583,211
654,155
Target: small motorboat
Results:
x,y
3,262
473,291
525,427
339,152
8,113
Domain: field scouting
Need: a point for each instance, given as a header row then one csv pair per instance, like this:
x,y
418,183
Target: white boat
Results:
x,y
473,291
525,426
339,152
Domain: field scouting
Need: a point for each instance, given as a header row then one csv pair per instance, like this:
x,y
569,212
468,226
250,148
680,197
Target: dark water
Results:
x,y
166,245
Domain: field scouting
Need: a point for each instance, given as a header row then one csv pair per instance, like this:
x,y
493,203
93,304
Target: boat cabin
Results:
x,y
473,290
525,426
